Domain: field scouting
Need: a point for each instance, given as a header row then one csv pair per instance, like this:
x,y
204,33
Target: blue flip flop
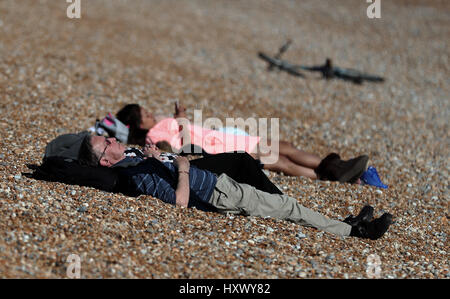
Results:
x,y
371,177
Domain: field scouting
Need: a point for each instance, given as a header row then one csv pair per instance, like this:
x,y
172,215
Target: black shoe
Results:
x,y
372,230
365,215
332,168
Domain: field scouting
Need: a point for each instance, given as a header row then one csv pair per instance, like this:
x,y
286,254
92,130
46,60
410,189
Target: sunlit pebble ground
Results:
x,y
58,75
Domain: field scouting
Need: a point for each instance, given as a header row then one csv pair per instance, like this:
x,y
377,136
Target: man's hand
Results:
x,y
182,163
150,150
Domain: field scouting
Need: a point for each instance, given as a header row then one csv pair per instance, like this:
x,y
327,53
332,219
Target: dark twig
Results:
x,y
281,64
329,72
280,52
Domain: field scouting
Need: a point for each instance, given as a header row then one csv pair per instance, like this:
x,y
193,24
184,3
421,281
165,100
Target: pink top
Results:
x,y
212,141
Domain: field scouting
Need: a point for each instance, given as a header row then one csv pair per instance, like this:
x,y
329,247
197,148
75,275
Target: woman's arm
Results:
x,y
180,111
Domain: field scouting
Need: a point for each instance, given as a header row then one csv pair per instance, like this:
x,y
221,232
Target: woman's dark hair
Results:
x,y
130,115
86,155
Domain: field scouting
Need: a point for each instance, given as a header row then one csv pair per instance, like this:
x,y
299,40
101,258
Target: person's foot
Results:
x,y
353,169
373,230
332,168
366,215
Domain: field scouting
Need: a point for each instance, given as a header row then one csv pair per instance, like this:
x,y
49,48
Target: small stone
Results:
x,y
313,264
329,258
300,235
26,238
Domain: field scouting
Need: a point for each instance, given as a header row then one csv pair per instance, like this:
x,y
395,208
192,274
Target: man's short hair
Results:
x,y
87,155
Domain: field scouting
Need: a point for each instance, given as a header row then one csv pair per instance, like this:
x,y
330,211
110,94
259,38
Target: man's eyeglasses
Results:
x,y
108,143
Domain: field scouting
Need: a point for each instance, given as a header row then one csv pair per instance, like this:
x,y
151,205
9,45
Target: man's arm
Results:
x,y
182,192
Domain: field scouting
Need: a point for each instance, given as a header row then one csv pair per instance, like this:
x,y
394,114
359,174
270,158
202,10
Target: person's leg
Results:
x,y
287,149
298,156
309,165
288,159
239,166
232,197
288,167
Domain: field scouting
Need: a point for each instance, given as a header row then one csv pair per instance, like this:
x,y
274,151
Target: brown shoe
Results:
x,y
332,168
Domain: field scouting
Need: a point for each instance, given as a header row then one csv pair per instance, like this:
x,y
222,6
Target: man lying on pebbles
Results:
x,y
176,182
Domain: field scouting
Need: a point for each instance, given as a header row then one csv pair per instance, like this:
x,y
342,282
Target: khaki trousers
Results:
x,y
232,197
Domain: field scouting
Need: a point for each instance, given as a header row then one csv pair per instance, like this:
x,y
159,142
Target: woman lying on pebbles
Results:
x,y
145,128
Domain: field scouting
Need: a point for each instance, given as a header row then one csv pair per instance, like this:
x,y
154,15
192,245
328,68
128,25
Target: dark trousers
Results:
x,y
241,167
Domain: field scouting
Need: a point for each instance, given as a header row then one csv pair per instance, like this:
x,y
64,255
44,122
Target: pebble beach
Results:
x,y
58,75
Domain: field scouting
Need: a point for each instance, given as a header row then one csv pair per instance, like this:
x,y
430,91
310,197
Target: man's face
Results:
x,y
109,149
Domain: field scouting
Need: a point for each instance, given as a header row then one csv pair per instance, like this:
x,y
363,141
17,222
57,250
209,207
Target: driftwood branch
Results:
x,y
281,65
327,70
280,52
